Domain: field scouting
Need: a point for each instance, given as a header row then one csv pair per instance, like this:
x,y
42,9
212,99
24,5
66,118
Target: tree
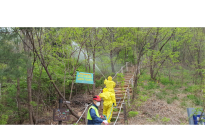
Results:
x,y
36,44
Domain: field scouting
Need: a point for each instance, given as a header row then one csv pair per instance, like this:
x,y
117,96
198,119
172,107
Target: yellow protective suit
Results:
x,y
110,84
109,99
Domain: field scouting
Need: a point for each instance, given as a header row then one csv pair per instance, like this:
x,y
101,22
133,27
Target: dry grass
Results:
x,y
151,108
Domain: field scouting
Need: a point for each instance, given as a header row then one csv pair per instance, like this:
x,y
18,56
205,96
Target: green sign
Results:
x,y
86,78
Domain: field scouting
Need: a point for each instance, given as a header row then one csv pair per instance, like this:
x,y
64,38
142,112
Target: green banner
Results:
x,y
86,78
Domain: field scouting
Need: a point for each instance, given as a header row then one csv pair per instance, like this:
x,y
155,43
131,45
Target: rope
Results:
x,y
118,102
110,111
83,113
120,108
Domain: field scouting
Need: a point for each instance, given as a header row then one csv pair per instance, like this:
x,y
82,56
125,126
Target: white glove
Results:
x,y
105,122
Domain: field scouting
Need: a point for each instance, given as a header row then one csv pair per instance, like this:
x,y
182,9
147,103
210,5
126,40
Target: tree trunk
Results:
x,y
151,67
125,56
93,88
136,77
41,59
135,83
64,80
111,58
29,78
182,75
169,71
18,99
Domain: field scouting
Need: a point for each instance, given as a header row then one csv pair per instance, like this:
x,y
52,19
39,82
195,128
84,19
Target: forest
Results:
x,y
38,66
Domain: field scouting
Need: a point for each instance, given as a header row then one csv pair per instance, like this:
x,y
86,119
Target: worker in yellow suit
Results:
x,y
110,84
109,100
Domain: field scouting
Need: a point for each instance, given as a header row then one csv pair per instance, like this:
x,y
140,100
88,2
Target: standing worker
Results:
x,y
109,100
110,84
93,115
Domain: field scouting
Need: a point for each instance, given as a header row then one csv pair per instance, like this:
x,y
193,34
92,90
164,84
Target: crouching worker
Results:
x,y
93,115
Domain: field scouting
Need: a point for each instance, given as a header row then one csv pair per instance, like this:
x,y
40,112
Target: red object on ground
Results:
x,y
97,98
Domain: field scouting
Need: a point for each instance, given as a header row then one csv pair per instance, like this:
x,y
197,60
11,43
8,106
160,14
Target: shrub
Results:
x,y
183,104
164,92
160,95
166,81
169,100
165,120
114,119
196,100
151,85
133,113
192,97
138,91
193,88
144,92
175,91
175,98
144,98
3,119
147,77
99,82
115,110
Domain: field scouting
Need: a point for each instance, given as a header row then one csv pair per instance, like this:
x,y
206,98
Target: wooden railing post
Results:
x,y
128,96
132,82
126,66
86,120
60,106
125,113
101,105
122,70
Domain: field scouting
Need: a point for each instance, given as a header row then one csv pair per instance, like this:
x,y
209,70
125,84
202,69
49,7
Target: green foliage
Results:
x,y
156,117
114,119
175,98
115,109
143,98
169,100
173,87
186,48
132,113
151,85
99,82
193,88
33,103
196,100
159,95
165,81
165,120
183,104
120,78
3,119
